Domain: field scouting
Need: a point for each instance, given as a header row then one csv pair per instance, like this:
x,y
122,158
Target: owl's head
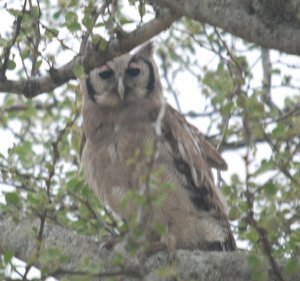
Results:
x,y
124,79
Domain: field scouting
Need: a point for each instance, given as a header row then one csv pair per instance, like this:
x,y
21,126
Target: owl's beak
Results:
x,y
121,88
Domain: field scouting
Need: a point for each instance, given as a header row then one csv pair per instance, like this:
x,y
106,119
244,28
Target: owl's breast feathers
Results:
x,y
200,213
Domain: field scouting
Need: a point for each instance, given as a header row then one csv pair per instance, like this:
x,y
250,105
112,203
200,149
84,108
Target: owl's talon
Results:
x,y
172,256
155,248
109,243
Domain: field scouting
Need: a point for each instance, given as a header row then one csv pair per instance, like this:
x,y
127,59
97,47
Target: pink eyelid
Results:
x,y
133,65
104,67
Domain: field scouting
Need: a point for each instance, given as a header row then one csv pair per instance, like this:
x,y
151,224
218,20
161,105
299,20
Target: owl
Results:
x,y
122,108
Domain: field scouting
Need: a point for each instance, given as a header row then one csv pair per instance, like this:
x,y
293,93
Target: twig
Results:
x,y
263,237
95,14
23,63
282,166
37,41
86,203
6,51
249,198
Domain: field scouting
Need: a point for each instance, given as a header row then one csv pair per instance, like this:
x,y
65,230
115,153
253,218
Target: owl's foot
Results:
x,y
158,247
155,248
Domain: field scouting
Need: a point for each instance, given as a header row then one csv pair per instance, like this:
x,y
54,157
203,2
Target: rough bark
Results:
x,y
272,24
188,265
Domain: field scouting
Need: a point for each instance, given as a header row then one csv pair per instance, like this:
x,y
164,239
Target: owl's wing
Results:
x,y
194,157
212,156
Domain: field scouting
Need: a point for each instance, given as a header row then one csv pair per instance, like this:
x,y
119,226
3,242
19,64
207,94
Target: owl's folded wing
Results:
x,y
194,157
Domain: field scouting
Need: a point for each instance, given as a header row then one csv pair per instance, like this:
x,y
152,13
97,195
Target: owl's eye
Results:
x,y
106,74
133,71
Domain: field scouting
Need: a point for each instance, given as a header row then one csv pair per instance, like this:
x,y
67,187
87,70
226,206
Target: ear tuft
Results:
x,y
145,51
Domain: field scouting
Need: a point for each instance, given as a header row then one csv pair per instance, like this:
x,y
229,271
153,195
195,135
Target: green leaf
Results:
x,y
234,213
71,21
193,26
252,235
254,106
73,184
34,11
168,271
78,71
56,14
103,45
124,20
87,21
38,64
24,151
132,2
270,188
142,9
265,166
75,139
14,12
134,158
12,198
75,26
243,206
254,261
71,17
8,255
160,228
148,149
3,42
279,131
117,259
241,101
52,258
259,275
51,32
38,200
226,109
133,197
276,71
11,65
219,82
25,53
98,40
292,266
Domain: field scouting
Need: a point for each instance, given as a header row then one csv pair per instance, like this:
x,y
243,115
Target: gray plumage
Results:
x,y
122,100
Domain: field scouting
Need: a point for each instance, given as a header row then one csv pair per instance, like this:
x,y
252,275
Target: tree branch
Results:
x,y
188,265
270,24
7,49
91,59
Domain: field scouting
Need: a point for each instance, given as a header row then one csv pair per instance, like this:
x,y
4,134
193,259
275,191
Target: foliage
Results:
x,y
238,109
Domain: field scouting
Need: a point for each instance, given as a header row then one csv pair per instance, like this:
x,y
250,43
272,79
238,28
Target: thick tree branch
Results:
x,y
188,265
57,77
270,24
